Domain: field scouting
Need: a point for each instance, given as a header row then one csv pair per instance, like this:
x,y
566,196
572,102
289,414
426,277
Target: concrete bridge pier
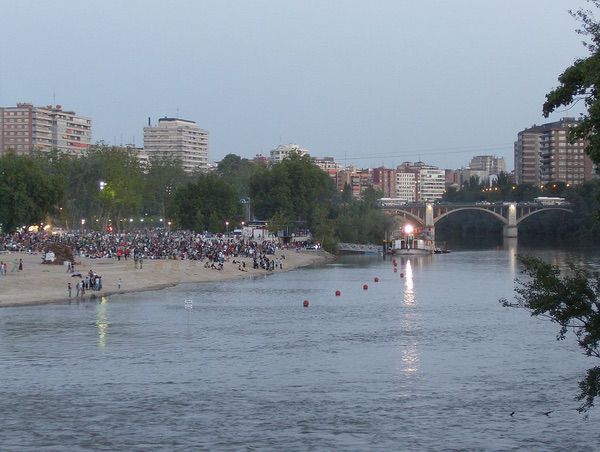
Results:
x,y
429,229
510,229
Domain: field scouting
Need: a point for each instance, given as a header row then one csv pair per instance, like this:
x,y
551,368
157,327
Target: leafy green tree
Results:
x,y
121,173
295,188
237,172
580,82
571,301
27,194
206,204
163,177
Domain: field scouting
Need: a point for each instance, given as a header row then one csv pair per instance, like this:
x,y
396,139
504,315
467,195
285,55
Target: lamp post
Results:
x,y
227,228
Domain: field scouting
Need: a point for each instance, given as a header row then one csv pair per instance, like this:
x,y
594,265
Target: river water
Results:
x,y
428,361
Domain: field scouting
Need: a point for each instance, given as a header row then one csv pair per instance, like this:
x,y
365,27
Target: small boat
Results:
x,y
413,246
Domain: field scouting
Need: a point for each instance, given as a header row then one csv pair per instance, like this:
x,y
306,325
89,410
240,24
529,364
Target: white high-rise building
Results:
x,y
178,138
285,150
406,186
432,183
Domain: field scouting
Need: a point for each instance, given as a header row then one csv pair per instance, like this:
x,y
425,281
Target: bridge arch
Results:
x,y
400,212
481,209
546,209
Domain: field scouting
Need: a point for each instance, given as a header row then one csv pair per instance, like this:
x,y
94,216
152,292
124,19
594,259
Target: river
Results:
x,y
427,361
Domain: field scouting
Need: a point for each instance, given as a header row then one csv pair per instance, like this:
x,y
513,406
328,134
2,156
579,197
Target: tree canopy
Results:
x,y
571,301
27,194
572,298
295,188
580,82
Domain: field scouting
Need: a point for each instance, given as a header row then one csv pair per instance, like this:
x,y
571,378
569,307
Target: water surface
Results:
x,y
428,361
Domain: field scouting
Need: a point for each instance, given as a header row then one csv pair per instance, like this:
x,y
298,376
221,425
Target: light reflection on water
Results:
x,y
428,361
101,321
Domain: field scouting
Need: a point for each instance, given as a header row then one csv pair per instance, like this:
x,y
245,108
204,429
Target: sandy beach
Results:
x,y
44,283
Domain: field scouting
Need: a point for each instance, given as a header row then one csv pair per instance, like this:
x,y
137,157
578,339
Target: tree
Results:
x,y
237,172
206,204
571,301
27,193
295,188
580,82
163,177
121,173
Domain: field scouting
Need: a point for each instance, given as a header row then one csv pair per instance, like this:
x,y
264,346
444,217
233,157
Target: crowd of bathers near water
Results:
x,y
150,244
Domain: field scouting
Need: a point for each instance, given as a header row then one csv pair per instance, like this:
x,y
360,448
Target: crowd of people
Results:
x,y
147,244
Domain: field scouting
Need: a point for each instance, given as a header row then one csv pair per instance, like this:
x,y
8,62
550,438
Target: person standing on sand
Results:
x,y
20,265
69,289
78,288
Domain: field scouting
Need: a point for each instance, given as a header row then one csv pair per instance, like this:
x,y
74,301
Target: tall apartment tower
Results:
x,y
488,163
384,180
178,138
543,154
429,182
26,128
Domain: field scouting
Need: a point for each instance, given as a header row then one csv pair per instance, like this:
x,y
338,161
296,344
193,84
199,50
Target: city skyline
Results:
x,y
368,85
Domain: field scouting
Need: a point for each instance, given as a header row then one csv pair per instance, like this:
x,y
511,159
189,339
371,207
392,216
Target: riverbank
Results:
x,y
41,283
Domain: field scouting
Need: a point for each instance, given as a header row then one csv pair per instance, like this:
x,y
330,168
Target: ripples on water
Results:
x,y
428,361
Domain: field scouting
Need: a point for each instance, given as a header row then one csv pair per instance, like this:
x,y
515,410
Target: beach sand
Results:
x,y
45,283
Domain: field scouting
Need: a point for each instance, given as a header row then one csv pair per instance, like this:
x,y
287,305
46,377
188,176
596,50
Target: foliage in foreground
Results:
x,y
572,301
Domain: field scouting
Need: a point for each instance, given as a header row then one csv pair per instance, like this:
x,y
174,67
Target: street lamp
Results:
x,y
227,227
102,185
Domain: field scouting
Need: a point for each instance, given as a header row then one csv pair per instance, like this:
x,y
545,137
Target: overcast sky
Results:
x,y
367,82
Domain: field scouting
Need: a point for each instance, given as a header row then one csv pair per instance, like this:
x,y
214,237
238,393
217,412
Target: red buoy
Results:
x,y
395,263
401,275
365,287
376,279
305,304
338,293
395,270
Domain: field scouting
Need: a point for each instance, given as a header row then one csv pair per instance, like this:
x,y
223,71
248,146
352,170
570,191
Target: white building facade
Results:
x,y
177,138
285,150
431,184
406,186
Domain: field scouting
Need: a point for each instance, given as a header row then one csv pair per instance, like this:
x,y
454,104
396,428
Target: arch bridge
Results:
x,y
510,214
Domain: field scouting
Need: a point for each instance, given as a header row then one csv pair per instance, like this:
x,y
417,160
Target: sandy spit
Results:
x,y
43,283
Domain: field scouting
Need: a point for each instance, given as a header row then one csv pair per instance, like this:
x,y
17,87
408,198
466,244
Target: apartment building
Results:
x,y
429,181
26,128
384,180
285,150
543,154
406,186
490,164
178,138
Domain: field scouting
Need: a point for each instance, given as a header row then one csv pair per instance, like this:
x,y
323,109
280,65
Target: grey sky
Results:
x,y
373,82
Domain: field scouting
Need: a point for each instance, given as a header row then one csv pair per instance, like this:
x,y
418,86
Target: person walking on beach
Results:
x,y
20,265
69,289
1,268
78,288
